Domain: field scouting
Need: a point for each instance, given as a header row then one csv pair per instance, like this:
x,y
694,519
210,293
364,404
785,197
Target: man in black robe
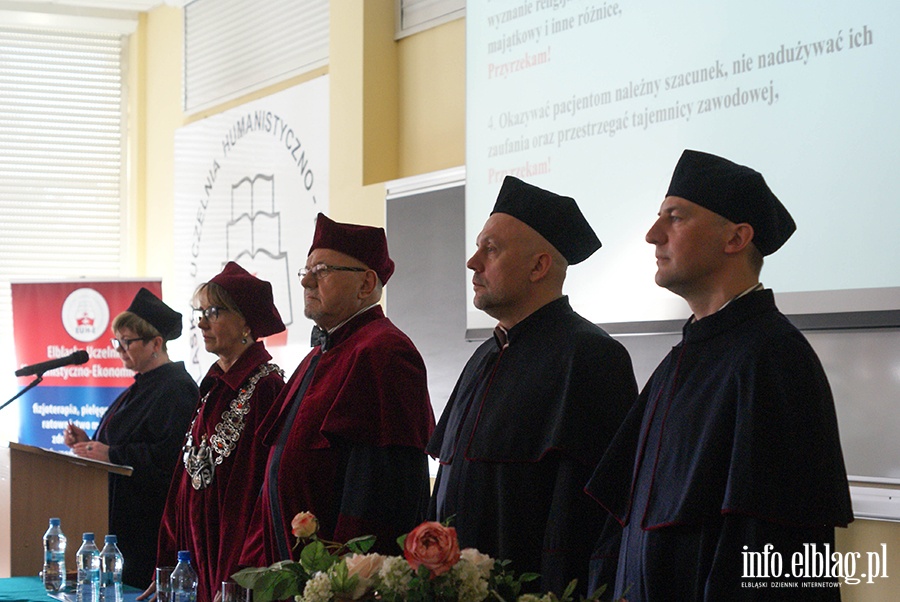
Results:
x,y
732,450
537,404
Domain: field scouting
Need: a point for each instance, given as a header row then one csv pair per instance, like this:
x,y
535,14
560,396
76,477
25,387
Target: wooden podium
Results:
x,y
37,484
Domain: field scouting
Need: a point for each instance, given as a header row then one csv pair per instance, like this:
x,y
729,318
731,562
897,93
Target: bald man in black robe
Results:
x,y
537,404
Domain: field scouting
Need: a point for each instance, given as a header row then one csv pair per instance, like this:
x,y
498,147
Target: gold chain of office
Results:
x,y
200,461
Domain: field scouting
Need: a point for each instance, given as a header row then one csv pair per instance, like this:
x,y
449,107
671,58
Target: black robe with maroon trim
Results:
x,y
144,428
733,443
520,436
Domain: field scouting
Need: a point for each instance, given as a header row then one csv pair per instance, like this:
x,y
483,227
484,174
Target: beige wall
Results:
x,y
432,100
865,536
397,109
155,103
389,102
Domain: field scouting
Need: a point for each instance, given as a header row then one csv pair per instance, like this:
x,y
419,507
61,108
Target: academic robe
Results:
x,y
733,442
353,454
520,436
144,428
211,523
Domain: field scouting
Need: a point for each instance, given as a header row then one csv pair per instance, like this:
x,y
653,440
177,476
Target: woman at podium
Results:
x,y
143,428
216,485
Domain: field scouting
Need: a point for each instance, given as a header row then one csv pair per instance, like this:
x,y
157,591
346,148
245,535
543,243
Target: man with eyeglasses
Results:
x,y
349,430
537,404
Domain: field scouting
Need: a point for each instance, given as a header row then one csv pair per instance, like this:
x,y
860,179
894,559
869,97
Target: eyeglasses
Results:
x,y
124,344
320,271
211,313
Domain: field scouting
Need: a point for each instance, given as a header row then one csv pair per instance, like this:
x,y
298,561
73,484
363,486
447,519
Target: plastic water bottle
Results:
x,y
111,563
184,579
54,574
87,560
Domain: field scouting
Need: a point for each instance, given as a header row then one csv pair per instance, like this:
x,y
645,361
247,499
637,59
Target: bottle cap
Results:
x,y
184,556
110,539
88,537
54,522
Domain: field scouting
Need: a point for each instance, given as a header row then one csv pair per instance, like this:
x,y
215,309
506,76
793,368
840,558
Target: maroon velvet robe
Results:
x,y
354,455
212,523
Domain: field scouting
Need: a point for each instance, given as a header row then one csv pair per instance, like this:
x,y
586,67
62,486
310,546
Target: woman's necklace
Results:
x,y
201,461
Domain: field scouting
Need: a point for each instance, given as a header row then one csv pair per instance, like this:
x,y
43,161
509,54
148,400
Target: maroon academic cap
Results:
x,y
735,192
365,243
556,218
253,297
152,310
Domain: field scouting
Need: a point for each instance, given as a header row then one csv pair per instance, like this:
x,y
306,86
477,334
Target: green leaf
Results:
x,y
570,589
248,577
401,541
315,557
361,545
295,567
274,585
280,580
341,580
597,593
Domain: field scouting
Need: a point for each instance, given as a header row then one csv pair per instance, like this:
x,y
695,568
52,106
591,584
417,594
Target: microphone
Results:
x,y
79,357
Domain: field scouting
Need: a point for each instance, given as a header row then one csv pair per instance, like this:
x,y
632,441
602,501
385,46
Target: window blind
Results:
x,y
62,135
234,47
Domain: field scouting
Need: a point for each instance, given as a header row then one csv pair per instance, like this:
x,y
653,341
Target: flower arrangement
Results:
x,y
431,569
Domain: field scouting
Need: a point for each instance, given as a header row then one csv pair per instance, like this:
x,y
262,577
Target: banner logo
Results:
x,y
85,315
249,183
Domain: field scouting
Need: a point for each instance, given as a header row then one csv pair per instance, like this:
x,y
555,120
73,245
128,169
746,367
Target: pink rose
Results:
x,y
433,546
365,567
304,525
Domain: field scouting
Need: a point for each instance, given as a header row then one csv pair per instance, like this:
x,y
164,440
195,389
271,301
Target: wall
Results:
x,y
397,110
158,108
432,100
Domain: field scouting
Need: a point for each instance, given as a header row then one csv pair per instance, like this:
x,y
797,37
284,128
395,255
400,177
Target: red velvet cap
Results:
x,y
365,243
253,297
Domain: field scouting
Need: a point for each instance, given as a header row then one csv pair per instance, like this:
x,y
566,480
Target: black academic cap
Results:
x,y
735,192
556,218
163,318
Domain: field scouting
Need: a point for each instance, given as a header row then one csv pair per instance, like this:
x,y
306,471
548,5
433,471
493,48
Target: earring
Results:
x,y
244,340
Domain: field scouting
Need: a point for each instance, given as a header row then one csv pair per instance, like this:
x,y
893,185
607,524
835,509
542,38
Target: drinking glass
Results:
x,y
164,583
232,592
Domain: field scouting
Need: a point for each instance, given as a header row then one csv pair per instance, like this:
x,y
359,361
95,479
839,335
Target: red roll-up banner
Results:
x,y
52,320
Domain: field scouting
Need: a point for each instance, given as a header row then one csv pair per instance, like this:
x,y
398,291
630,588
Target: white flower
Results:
x,y
484,562
395,574
318,589
471,582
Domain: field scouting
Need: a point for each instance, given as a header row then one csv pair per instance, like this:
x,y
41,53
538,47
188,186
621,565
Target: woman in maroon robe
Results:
x,y
216,485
